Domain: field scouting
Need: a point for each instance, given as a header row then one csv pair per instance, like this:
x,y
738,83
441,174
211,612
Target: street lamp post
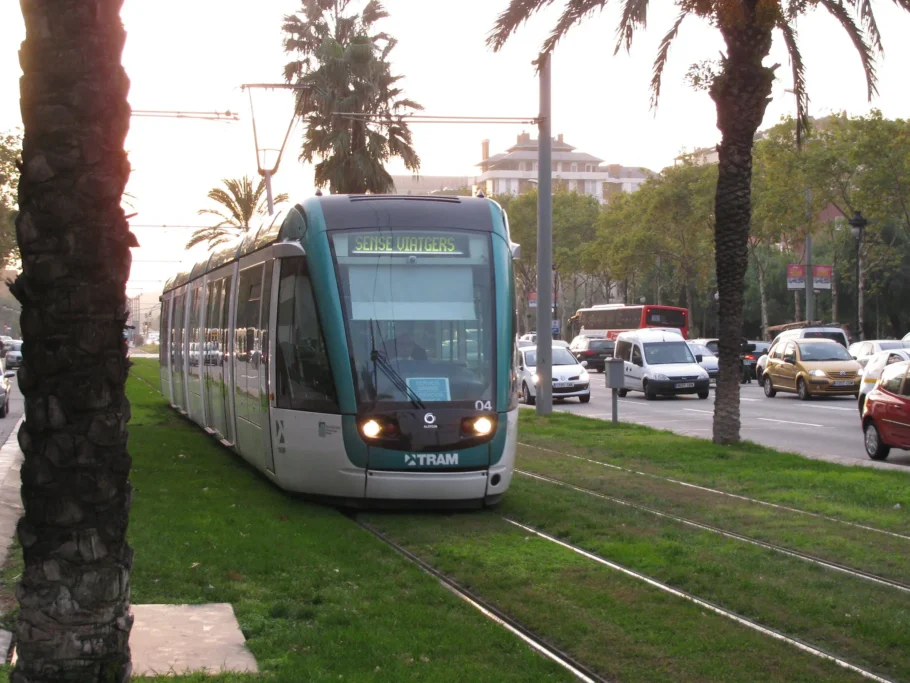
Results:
x,y
858,226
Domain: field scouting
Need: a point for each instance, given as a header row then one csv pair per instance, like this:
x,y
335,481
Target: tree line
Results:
x,y
656,245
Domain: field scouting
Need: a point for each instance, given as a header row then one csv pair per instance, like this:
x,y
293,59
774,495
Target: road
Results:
x,y
819,427
16,406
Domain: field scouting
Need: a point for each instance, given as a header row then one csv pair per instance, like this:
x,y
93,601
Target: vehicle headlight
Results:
x,y
536,378
584,376
370,429
660,377
817,373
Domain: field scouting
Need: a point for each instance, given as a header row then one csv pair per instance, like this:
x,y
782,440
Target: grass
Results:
x,y
879,498
317,597
858,548
149,348
865,623
620,627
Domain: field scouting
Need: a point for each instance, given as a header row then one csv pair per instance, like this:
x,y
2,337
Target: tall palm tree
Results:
x,y
74,595
353,107
240,204
741,90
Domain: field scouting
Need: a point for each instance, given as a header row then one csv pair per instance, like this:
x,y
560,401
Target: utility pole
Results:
x,y
544,387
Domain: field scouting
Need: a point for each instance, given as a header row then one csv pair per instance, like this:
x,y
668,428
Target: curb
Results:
x,y
10,509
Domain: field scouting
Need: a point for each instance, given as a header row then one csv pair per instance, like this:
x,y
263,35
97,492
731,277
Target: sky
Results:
x,y
193,55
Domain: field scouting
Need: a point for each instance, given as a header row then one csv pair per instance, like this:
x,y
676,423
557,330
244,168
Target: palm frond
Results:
x,y
574,12
517,13
634,16
660,61
799,78
839,12
867,17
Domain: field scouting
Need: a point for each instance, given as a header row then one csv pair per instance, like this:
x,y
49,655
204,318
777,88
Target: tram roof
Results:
x,y
349,212
406,211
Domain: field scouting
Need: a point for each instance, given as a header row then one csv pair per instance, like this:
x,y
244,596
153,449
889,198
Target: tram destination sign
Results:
x,y
409,244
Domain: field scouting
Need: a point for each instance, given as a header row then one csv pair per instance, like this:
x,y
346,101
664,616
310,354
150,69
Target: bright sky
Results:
x,y
194,54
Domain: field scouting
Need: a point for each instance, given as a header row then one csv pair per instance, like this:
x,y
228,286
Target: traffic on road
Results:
x,y
813,393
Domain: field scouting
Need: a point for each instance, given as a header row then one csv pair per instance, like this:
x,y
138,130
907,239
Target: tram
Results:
x,y
360,348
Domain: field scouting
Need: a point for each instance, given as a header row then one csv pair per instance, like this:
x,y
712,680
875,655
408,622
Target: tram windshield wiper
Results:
x,y
379,361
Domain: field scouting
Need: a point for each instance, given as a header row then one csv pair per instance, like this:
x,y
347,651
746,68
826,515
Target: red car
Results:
x,y
886,415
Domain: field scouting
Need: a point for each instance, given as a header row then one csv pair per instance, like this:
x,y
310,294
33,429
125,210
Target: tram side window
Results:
x,y
195,357
164,331
302,370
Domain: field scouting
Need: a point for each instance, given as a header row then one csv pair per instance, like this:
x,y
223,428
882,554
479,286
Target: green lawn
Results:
x,y
317,597
878,498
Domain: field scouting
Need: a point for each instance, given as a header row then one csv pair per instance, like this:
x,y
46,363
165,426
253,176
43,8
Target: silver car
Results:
x,y
708,360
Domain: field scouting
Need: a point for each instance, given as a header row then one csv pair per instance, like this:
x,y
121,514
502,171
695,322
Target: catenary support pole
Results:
x,y
810,285
268,192
544,388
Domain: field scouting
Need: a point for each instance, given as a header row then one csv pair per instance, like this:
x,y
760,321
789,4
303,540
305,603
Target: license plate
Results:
x,y
685,385
844,383
562,385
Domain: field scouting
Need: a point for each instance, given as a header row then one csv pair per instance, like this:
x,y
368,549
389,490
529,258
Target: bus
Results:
x,y
610,320
360,348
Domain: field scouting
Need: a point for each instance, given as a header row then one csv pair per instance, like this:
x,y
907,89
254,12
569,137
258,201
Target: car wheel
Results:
x,y
761,381
529,400
802,389
585,399
875,449
770,391
623,393
4,410
649,396
703,394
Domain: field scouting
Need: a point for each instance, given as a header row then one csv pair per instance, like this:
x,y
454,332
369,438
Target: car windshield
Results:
x,y
889,345
821,352
418,308
602,345
560,357
701,350
15,346
662,353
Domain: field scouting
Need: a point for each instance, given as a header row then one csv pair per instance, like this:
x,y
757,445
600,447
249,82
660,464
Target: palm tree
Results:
x,y
240,203
353,107
741,89
74,595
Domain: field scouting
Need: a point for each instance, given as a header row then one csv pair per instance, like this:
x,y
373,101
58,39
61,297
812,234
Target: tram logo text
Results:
x,y
430,459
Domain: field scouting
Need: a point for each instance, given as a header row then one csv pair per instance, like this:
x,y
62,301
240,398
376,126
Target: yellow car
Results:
x,y
812,367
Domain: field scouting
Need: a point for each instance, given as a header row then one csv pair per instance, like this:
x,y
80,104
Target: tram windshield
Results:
x,y
419,314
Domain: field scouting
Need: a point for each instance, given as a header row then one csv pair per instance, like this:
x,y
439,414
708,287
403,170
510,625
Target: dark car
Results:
x,y
751,358
595,351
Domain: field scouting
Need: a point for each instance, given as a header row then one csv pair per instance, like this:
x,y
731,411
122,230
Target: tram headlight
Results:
x,y
483,425
371,429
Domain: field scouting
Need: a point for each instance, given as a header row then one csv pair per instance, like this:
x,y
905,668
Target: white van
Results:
x,y
660,362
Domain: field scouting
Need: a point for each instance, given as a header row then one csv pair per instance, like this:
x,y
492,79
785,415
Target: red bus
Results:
x,y
611,319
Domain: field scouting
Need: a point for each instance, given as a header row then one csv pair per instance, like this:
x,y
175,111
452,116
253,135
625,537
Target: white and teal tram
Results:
x,y
356,347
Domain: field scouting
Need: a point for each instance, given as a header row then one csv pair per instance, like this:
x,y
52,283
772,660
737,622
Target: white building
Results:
x,y
515,171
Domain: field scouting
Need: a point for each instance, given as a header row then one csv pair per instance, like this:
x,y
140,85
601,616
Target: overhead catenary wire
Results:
x,y
226,116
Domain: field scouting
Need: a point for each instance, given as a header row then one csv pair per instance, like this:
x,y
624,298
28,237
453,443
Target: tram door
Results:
x,y
214,358
195,355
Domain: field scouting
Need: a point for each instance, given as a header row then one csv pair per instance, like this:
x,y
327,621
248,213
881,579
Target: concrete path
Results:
x,y
166,639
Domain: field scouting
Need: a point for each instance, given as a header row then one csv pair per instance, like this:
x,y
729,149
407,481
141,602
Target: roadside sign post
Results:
x,y
614,380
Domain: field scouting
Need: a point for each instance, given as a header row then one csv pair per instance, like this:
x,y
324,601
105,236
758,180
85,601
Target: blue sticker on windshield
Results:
x,y
430,388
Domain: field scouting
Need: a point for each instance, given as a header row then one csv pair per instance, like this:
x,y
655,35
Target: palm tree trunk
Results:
x,y
741,95
74,621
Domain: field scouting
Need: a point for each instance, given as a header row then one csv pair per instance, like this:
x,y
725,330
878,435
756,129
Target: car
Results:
x,y
886,414
531,337
752,357
560,343
657,362
811,367
524,343
862,351
833,332
5,391
906,337
710,343
874,368
13,353
596,351
708,360
570,378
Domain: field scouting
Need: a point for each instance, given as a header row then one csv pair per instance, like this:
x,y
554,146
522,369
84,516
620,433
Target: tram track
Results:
x,y
719,492
576,668
827,564
744,621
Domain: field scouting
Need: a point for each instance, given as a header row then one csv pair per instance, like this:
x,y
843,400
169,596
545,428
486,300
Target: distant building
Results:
x,y
515,171
698,157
